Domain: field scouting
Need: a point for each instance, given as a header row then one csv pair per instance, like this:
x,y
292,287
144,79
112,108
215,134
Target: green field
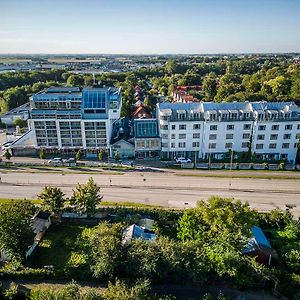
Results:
x,y
58,248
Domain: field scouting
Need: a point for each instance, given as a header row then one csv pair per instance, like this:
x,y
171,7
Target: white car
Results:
x,y
55,161
182,160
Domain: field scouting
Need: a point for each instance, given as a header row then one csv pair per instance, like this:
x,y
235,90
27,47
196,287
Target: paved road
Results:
x,y
166,189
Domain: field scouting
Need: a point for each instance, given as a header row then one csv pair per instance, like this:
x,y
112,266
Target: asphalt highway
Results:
x,y
165,189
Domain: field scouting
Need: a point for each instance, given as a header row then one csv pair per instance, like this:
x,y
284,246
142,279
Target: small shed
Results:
x,y
137,232
260,247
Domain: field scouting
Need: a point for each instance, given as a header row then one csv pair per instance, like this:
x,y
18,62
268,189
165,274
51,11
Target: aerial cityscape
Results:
x,y
150,150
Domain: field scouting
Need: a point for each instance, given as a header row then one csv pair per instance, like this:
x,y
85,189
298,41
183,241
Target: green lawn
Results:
x,y
57,248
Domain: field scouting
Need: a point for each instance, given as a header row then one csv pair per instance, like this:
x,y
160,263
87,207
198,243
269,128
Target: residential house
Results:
x,y
260,248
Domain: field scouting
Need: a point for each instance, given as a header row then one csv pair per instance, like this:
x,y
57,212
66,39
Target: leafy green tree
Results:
x,y
16,234
280,85
42,153
79,155
106,250
120,291
86,197
116,155
218,217
210,85
101,154
75,80
53,199
21,123
7,155
15,97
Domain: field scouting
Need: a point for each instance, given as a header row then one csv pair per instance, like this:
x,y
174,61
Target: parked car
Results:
x,y
55,161
182,160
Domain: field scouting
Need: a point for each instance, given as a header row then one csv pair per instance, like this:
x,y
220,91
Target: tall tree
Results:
x,y
86,197
16,234
53,199
106,250
210,85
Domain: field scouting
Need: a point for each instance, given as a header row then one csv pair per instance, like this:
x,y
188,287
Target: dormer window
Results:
x,y
196,115
213,117
181,116
260,116
234,116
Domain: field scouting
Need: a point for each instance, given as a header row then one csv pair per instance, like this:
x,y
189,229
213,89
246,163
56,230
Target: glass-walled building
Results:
x,y
67,118
146,138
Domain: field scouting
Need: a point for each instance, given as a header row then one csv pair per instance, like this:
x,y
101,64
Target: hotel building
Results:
x,y
66,119
269,130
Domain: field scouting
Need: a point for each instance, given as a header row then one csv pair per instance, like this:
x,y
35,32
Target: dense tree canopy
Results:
x,y
16,235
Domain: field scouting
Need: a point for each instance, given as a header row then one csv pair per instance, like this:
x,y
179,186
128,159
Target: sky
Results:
x,y
149,26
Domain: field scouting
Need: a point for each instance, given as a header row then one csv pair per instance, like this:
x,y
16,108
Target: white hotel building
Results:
x,y
65,119
269,131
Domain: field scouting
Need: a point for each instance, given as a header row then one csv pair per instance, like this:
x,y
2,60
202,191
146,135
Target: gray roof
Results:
x,y
229,106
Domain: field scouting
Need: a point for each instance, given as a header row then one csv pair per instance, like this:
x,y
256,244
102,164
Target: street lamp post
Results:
x,y
231,161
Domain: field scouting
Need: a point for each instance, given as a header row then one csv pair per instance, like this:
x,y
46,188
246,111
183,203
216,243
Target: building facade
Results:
x,y
268,131
146,138
67,119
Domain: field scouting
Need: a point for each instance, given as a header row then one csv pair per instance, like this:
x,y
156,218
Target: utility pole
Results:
x,y
231,161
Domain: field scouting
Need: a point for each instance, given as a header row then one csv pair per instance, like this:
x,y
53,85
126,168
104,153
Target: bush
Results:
x,y
8,272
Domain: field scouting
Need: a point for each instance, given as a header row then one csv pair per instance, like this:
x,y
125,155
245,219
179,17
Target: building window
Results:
x,y
164,127
273,136
260,137
196,126
212,145
298,126
181,116
296,145
182,126
164,145
181,145
173,136
285,145
173,127
272,146
247,126
213,127
172,145
229,136
164,136
212,136
245,144
196,135
287,136
298,136
196,144
246,136
275,127
259,146
288,127
262,127
182,136
230,127
228,145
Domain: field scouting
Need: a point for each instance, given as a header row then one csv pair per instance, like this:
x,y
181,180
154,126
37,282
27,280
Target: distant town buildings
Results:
x,y
180,94
21,112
